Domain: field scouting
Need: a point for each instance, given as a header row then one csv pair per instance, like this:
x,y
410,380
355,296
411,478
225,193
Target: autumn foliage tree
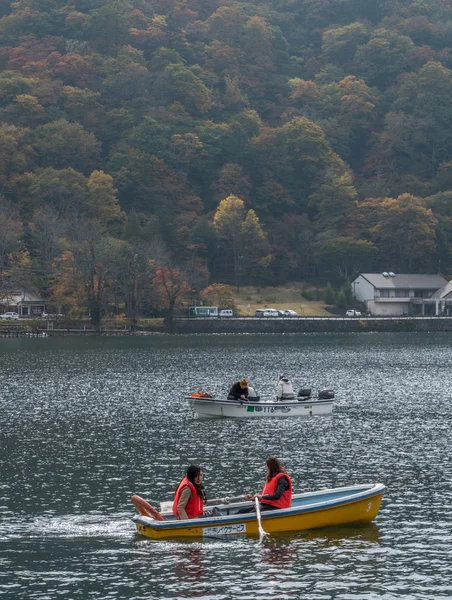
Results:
x,y
103,205
242,238
405,233
86,267
66,287
218,294
132,272
19,275
171,289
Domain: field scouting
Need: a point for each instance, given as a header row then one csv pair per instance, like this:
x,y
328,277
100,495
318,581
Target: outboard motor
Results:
x,y
326,394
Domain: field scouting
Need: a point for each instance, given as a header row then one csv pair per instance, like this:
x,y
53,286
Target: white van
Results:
x,y
226,313
266,312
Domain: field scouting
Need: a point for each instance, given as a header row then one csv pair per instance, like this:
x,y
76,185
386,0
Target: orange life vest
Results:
x,y
271,486
195,506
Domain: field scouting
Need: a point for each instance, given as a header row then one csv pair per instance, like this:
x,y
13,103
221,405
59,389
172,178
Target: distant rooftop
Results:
x,y
443,292
405,281
15,297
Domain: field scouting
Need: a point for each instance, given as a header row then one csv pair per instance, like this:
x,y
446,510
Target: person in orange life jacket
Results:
x,y
190,495
277,491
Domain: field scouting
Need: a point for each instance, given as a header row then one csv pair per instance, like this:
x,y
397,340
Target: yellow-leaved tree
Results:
x,y
104,206
243,241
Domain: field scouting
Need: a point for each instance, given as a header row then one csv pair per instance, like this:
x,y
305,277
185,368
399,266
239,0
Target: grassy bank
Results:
x,y
289,297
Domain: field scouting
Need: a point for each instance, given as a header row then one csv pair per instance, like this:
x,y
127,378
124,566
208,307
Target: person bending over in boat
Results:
x,y
239,391
190,495
277,491
284,389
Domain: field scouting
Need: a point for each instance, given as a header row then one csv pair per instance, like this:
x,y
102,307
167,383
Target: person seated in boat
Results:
x,y
239,391
284,389
190,495
252,394
277,490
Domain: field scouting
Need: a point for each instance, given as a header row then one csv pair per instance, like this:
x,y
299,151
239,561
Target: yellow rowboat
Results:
x,y
338,506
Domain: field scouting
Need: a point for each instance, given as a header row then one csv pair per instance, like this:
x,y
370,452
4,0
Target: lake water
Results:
x,y
85,423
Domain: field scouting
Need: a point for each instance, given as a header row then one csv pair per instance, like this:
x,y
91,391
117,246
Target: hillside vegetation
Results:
x,y
151,147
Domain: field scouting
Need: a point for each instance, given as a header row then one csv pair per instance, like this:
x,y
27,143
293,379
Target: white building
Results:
x,y
442,299
389,294
24,303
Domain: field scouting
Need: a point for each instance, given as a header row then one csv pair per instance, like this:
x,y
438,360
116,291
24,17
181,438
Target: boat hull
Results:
x,y
206,407
358,504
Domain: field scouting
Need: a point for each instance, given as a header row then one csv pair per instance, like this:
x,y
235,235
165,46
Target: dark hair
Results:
x,y
274,467
192,472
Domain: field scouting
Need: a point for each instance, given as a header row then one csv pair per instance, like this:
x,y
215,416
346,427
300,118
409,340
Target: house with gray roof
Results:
x,y
391,294
442,299
22,302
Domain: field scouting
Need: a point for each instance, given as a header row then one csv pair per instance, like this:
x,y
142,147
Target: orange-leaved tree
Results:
x,y
218,294
67,288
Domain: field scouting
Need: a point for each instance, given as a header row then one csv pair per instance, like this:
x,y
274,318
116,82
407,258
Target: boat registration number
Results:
x,y
225,529
269,409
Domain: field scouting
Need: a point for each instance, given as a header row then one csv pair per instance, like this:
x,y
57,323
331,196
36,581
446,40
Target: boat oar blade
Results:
x,y
262,532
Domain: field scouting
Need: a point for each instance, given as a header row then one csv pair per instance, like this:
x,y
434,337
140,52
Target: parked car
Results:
x,y
281,313
226,313
51,315
266,312
9,315
353,313
290,313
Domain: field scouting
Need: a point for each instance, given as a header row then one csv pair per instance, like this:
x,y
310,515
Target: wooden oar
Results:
x,y
259,521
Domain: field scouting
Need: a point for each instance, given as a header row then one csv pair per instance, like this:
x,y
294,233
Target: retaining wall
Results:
x,y
310,325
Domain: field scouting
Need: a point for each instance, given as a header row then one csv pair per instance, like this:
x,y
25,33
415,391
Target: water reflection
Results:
x,y
367,533
188,564
278,553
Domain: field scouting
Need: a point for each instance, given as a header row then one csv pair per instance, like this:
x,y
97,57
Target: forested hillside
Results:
x,y
149,147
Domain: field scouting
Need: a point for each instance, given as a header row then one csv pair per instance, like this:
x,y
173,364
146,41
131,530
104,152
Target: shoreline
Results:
x,y
237,325
312,325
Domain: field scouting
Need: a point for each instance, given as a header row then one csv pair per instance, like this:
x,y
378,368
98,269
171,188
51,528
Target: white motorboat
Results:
x,y
301,406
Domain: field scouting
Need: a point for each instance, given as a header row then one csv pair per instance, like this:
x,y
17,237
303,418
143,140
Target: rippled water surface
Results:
x,y
84,423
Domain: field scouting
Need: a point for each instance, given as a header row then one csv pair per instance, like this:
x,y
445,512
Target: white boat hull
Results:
x,y
211,407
